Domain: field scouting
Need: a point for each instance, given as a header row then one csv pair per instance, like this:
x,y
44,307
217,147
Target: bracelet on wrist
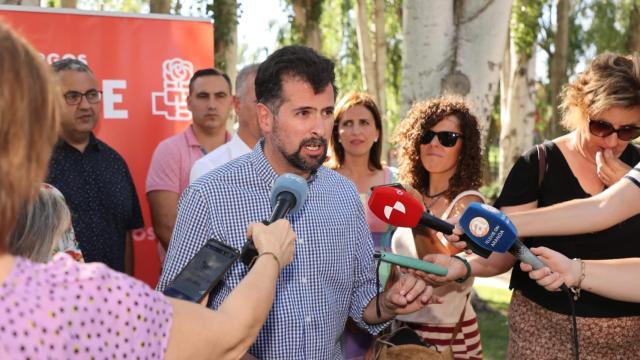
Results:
x,y
576,289
467,266
275,257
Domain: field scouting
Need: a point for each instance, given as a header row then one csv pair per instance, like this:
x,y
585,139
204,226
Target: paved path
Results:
x,y
500,281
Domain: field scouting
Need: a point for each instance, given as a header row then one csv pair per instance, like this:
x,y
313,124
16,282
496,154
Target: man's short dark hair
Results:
x,y
70,65
208,72
295,61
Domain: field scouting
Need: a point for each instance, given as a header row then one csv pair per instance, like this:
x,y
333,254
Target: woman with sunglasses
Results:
x,y
356,149
440,163
601,108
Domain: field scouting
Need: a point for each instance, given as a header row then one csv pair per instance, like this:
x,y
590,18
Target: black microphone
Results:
x,y
288,194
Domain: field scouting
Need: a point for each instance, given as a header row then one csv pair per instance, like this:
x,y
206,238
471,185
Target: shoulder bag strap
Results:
x,y
542,162
458,327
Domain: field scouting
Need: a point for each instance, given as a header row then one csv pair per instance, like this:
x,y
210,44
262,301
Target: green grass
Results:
x,y
494,330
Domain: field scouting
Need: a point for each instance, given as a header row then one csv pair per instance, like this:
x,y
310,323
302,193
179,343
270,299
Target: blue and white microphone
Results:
x,y
492,230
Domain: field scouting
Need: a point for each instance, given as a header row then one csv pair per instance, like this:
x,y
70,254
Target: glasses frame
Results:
x,y
610,129
99,92
443,138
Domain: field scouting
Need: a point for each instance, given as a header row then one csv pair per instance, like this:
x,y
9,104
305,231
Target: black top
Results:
x,y
559,185
99,190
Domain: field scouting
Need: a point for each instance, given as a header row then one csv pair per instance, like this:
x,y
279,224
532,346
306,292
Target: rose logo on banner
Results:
x,y
172,101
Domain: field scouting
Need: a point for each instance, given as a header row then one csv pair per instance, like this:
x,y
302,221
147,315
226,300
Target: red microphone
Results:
x,y
396,207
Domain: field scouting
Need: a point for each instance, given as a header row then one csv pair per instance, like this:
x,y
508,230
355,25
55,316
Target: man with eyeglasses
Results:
x,y
93,177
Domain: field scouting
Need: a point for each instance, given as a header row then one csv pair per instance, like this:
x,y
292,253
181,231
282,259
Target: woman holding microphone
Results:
x,y
65,309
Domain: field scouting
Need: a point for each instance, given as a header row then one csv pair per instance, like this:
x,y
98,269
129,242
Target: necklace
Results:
x,y
437,195
434,198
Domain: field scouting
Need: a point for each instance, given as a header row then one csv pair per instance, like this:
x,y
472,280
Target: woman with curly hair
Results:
x,y
601,108
440,159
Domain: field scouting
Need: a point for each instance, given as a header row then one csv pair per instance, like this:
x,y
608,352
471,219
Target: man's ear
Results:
x,y
189,98
235,100
265,118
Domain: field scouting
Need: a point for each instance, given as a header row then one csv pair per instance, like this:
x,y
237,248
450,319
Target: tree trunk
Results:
x,y
158,6
381,54
517,107
367,61
558,64
225,20
633,39
306,20
451,47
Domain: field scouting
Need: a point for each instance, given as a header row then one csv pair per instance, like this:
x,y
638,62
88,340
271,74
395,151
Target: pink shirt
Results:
x,y
172,161
67,310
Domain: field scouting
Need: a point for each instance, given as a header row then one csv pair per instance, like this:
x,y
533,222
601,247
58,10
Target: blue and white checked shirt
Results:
x,y
332,275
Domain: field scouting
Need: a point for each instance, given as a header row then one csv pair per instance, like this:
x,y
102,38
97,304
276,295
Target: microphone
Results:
x,y
492,230
288,194
396,207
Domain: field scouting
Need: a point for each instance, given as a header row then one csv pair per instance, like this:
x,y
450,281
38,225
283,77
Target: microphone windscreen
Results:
x,y
395,206
488,228
294,184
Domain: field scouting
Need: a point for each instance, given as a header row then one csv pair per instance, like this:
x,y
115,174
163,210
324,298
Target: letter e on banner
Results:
x,y
110,98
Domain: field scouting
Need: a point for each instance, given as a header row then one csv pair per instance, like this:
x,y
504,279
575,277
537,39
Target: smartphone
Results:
x,y
203,272
412,263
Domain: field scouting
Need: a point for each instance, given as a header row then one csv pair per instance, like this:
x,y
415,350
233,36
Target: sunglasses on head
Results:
x,y
603,128
445,138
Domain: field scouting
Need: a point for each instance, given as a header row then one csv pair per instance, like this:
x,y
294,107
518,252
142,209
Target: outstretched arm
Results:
x,y
612,206
200,333
616,279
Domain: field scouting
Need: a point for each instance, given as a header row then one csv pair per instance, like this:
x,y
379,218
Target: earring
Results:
x,y
375,141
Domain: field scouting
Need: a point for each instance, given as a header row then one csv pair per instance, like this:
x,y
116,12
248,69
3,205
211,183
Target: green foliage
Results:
x,y
608,24
524,24
294,34
225,20
393,29
339,43
494,329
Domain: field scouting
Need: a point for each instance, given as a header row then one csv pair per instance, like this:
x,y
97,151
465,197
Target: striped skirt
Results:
x,y
466,344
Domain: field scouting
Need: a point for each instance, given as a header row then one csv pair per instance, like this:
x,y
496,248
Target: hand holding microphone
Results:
x,y
559,269
288,194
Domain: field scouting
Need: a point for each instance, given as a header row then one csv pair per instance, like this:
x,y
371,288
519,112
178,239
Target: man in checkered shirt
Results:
x,y
332,276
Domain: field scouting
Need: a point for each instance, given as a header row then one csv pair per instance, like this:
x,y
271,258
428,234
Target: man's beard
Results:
x,y
296,159
309,164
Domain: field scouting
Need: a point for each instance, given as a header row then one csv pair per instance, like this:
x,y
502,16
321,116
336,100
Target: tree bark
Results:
x,y
558,64
367,61
306,20
633,39
160,6
381,54
451,47
517,107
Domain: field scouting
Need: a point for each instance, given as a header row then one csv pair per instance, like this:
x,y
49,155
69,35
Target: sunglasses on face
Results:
x,y
603,128
445,138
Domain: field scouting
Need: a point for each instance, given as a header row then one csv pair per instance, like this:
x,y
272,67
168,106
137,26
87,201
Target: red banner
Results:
x,y
143,65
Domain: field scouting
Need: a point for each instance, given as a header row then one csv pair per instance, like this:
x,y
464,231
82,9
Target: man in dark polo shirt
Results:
x,y
93,177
